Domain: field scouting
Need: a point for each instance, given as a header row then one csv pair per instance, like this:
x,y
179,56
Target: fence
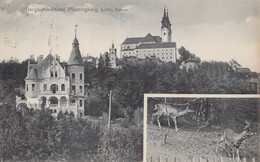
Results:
x,y
196,159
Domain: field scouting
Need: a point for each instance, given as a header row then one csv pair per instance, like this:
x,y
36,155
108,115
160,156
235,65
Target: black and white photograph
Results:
x,y
202,128
74,74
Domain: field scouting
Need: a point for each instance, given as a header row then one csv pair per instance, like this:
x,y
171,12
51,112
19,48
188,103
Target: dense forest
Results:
x,y
134,77
34,134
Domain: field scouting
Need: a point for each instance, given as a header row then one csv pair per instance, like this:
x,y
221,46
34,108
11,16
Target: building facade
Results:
x,y
56,85
152,46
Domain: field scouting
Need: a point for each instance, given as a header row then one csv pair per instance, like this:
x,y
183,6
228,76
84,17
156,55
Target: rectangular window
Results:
x,y
51,73
80,89
80,76
80,103
27,87
33,87
73,89
56,74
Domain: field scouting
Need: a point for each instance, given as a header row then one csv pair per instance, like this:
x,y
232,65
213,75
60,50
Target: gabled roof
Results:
x,y
157,45
75,56
149,38
44,60
137,40
32,74
134,40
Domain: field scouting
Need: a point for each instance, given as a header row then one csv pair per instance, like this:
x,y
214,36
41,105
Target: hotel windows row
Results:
x,y
32,87
73,76
53,87
154,50
80,102
54,74
74,90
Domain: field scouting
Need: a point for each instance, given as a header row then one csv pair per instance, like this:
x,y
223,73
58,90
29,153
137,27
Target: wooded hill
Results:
x,y
134,77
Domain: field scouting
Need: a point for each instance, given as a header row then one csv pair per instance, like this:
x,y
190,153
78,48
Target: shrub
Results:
x,y
121,145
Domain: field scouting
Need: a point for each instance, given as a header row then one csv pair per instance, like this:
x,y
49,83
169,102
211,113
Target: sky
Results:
x,y
213,30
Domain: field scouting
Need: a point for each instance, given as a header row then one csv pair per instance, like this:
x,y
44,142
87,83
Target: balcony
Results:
x,y
56,92
53,105
72,104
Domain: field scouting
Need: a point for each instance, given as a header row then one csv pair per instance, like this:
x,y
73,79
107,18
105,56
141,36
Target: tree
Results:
x,y
185,55
101,64
107,63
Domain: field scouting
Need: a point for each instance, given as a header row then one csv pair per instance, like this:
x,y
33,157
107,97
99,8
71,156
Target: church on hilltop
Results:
x,y
58,86
152,46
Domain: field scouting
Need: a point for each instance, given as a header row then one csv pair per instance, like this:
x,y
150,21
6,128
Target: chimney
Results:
x,y
39,59
57,57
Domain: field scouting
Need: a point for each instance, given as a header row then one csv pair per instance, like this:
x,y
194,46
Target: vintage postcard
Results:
x,y
73,75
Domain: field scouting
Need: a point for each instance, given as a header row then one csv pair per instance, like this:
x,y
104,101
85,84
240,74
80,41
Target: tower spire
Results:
x,y
166,26
76,31
164,12
75,55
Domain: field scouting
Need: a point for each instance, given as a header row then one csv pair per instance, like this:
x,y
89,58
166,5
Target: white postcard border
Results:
x,y
146,96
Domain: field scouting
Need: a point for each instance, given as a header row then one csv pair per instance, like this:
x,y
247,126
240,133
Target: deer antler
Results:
x,y
191,101
247,122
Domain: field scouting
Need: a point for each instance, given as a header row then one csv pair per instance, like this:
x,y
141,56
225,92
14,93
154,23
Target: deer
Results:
x,y
170,111
233,140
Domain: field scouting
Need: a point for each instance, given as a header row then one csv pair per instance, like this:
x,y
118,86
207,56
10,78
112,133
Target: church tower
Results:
x,y
112,56
75,69
166,32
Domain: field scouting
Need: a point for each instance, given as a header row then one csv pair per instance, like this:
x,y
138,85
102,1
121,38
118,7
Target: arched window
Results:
x,y
45,87
54,88
63,87
73,76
